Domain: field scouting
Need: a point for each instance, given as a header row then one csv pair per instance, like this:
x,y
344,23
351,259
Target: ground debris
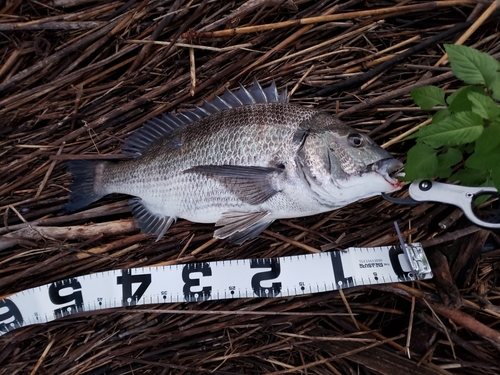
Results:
x,y
78,76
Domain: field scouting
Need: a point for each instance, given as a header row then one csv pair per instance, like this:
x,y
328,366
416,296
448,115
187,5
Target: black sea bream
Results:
x,y
240,161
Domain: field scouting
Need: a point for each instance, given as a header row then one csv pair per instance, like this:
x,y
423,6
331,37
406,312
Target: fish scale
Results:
x,y
241,161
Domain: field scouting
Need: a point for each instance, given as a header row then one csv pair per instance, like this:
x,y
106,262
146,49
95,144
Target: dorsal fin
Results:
x,y
157,128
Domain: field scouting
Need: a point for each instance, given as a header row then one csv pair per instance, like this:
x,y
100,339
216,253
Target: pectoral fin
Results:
x,y
253,185
241,226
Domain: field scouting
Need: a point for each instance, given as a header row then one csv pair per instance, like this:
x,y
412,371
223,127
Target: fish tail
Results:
x,y
87,186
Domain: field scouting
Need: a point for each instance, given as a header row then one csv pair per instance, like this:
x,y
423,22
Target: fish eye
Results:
x,y
356,140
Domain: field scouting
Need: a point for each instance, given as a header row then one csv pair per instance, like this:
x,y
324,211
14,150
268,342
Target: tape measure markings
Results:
x,y
194,282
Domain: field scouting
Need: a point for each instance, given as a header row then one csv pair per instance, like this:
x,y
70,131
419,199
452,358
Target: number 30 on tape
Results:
x,y
195,282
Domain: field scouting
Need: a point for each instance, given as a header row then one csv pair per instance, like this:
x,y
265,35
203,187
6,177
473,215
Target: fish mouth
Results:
x,y
388,169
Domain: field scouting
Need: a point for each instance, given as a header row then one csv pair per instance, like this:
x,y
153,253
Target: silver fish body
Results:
x,y
241,161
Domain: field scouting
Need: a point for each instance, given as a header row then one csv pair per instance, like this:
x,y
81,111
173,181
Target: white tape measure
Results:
x,y
195,282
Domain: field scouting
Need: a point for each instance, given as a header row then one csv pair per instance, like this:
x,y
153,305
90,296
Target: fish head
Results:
x,y
346,164
355,154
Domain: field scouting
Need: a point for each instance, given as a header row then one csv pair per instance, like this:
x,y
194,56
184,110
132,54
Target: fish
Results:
x,y
241,161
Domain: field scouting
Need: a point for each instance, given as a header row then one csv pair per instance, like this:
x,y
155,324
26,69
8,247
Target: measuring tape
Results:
x,y
196,282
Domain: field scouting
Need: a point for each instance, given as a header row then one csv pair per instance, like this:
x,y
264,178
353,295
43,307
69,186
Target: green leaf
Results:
x,y
495,88
483,198
469,148
484,161
458,101
459,128
469,177
443,172
427,97
437,117
472,66
495,176
447,160
489,139
440,115
484,106
421,162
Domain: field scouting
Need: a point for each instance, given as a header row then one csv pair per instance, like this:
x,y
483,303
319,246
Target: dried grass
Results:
x,y
78,76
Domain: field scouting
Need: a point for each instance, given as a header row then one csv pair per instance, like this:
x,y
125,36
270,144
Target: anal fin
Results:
x,y
241,226
148,222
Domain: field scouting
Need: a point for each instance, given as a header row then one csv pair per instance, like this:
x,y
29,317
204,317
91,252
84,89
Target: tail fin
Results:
x,y
86,187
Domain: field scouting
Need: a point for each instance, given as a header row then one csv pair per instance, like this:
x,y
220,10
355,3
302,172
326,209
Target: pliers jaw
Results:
x,y
409,201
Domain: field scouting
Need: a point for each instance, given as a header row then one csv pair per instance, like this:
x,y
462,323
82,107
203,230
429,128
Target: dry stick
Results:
x,y
192,71
161,55
9,63
91,214
87,13
259,63
362,78
35,233
402,136
379,53
204,246
126,21
481,308
58,25
367,330
122,242
106,72
487,13
348,307
240,12
305,230
367,84
466,344
385,124
443,327
301,235
49,171
292,242
42,357
372,63
24,97
233,312
328,18
86,157
36,268
319,57
99,44
335,357
393,94
456,316
452,236
153,364
340,37
321,338
410,327
22,181
57,56
155,34
195,46
299,82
